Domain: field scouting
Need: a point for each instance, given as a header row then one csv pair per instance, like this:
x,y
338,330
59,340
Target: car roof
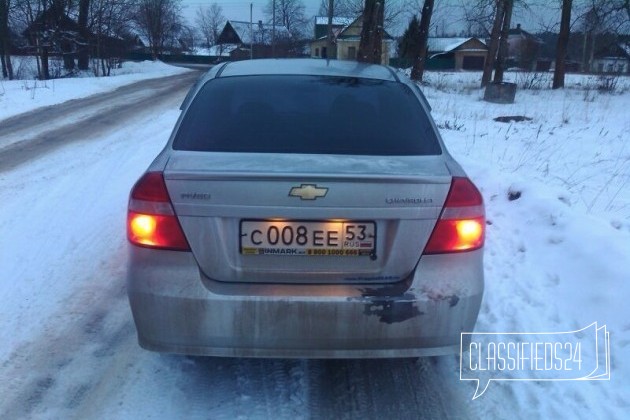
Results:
x,y
307,66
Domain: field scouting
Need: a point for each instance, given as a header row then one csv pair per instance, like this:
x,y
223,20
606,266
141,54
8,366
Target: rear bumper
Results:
x,y
176,309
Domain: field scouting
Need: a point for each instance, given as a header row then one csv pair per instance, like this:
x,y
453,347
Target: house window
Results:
x,y
316,52
352,53
600,67
620,68
610,68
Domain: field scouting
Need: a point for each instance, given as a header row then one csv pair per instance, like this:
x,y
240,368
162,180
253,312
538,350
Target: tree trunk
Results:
x,y
563,42
45,73
84,49
592,50
421,48
68,60
5,41
329,38
503,46
5,73
370,47
494,43
9,64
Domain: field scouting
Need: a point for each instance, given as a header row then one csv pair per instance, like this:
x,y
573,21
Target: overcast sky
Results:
x,y
239,9
448,14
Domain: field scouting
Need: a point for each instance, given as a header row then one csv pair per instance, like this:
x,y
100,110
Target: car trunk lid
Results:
x,y
222,199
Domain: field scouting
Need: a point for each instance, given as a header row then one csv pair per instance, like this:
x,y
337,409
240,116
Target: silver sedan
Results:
x,y
305,208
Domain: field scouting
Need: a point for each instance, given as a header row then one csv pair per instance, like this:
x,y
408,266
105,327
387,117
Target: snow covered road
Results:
x,y
557,192
35,133
68,342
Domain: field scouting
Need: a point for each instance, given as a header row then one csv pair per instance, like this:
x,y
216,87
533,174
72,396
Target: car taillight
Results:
x,y
151,220
461,227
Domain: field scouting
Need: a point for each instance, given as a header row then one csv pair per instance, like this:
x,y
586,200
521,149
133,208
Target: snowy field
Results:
x,y
557,259
27,93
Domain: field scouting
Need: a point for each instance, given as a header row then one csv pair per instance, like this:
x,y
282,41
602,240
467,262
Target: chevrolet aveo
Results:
x,y
305,208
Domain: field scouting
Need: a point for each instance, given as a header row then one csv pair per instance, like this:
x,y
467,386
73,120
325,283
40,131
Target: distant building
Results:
x,y
613,59
524,49
346,39
52,34
55,33
241,37
338,23
456,54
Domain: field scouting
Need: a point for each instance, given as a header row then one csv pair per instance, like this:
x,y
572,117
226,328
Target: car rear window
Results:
x,y
306,114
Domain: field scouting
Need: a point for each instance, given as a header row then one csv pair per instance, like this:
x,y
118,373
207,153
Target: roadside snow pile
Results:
x,y
18,96
532,81
557,192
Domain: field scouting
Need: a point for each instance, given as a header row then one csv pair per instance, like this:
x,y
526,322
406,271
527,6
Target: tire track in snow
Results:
x,y
41,131
387,388
63,366
80,355
227,388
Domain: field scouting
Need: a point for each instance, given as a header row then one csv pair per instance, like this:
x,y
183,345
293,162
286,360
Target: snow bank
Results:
x,y
18,96
558,256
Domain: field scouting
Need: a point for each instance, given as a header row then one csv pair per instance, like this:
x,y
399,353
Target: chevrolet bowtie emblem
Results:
x,y
308,192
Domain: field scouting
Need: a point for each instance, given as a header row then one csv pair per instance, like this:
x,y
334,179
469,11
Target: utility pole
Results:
x,y
251,31
329,40
273,31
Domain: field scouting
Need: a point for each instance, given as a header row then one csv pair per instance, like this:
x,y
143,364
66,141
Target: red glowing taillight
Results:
x,y
461,227
151,221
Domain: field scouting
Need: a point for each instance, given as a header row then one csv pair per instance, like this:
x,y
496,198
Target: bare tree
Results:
x,y
210,21
159,21
341,8
25,13
371,44
498,47
600,20
480,16
354,8
288,13
47,28
503,44
330,13
344,8
84,53
563,41
110,21
421,47
494,43
609,15
5,40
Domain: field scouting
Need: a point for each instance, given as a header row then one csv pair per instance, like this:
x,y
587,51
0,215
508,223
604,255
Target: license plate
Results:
x,y
326,238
